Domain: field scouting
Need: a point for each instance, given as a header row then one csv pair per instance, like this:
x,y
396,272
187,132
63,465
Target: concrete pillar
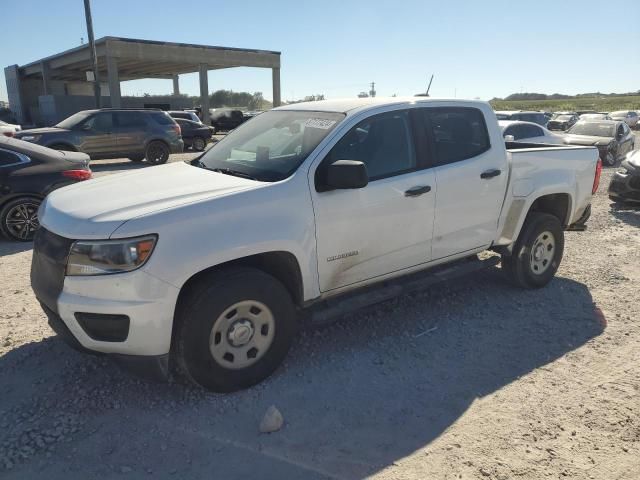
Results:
x,y
204,94
114,81
176,85
14,92
46,78
275,76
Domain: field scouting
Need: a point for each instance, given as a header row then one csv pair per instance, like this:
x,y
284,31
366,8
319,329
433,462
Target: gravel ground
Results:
x,y
470,379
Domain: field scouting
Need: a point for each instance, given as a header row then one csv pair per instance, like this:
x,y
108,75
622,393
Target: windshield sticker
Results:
x,y
320,123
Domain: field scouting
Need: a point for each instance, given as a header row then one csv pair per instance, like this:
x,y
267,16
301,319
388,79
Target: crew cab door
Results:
x,y
387,225
471,177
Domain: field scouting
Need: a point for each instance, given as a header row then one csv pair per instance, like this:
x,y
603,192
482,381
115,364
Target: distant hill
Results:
x,y
602,102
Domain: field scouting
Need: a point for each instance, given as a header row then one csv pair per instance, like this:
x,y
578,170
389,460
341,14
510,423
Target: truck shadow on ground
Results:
x,y
11,247
627,212
357,396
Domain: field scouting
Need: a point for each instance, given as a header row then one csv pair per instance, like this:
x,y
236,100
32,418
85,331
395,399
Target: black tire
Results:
x,y
198,144
157,152
520,267
19,218
200,314
609,159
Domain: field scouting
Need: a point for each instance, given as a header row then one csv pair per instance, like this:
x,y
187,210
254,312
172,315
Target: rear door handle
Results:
x,y
417,191
490,173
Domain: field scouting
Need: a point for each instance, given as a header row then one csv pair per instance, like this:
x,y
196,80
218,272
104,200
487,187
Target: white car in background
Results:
x,y
528,132
8,129
628,116
595,116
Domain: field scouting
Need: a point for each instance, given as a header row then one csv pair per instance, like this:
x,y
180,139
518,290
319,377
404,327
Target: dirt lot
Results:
x,y
505,384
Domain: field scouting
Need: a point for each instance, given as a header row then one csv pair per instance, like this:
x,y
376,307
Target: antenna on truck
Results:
x,y
426,94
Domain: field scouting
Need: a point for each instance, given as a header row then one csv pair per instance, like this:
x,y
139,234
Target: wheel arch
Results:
x,y
557,204
156,139
281,265
68,145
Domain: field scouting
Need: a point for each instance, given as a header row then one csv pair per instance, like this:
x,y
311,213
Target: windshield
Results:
x,y
271,146
593,129
73,120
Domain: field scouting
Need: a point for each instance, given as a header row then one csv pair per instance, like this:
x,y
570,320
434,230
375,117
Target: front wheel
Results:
x,y
198,144
157,153
234,328
19,219
537,253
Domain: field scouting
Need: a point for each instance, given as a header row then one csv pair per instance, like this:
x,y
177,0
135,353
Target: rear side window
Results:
x,y
162,118
457,133
531,131
8,158
130,119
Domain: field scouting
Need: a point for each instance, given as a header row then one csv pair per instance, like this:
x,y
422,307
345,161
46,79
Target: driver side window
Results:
x,y
101,122
382,142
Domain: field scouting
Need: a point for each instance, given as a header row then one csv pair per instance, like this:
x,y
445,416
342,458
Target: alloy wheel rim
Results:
x,y
157,154
242,334
22,220
542,252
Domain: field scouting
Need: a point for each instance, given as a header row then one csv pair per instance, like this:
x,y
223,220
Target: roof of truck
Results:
x,y
345,105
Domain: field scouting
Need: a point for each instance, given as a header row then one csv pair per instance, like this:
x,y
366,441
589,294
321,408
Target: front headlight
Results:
x,y
30,138
109,256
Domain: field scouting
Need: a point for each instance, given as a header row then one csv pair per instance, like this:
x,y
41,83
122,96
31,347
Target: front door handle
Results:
x,y
417,191
490,173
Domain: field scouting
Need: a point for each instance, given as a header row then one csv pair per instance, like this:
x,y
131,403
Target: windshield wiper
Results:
x,y
235,173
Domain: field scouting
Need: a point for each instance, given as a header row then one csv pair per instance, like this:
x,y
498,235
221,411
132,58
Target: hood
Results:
x,y
634,159
587,140
96,208
39,131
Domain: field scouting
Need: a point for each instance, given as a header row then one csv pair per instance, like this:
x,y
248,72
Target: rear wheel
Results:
x,y
157,152
19,219
537,253
609,159
198,144
234,329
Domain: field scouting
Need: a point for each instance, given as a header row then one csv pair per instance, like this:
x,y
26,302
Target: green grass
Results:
x,y
599,104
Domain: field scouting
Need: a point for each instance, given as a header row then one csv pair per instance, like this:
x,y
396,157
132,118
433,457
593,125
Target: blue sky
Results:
x,y
481,48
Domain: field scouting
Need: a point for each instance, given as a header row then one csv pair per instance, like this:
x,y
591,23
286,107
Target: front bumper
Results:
x,y
73,303
625,186
151,367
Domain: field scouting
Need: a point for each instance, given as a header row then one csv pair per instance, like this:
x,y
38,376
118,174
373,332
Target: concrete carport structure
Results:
x,y
120,59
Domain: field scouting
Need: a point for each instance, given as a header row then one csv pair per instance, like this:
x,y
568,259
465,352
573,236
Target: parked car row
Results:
x,y
113,133
28,173
565,120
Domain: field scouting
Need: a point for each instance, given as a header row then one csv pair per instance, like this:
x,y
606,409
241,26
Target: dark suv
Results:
x,y
226,119
113,133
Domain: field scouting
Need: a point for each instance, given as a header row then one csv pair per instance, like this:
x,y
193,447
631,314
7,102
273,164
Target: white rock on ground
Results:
x,y
272,420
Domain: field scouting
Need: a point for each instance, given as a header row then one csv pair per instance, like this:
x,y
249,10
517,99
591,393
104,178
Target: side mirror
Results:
x,y
509,138
343,174
85,127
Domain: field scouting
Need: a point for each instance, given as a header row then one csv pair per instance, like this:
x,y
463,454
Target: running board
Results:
x,y
325,311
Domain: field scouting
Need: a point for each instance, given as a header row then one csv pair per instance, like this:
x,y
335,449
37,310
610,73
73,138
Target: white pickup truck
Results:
x,y
305,211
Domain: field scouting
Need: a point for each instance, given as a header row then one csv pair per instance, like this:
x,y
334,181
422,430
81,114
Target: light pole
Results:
x,y
92,49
